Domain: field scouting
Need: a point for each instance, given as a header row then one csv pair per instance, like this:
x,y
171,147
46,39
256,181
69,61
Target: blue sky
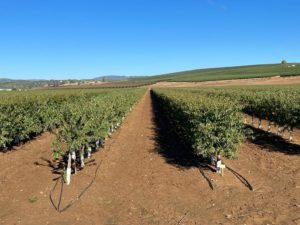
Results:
x,y
63,39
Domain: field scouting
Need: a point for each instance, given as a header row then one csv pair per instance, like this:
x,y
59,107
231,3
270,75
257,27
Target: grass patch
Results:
x,y
32,199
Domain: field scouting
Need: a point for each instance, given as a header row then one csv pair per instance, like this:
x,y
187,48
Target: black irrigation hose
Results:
x,y
241,178
61,191
71,203
181,219
51,199
206,178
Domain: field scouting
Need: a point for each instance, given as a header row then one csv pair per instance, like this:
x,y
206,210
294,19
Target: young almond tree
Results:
x,y
85,123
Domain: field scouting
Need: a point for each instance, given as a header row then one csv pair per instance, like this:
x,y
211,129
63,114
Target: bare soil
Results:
x,y
144,178
277,80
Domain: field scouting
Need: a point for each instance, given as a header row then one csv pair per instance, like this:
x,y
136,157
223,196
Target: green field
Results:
x,y
226,73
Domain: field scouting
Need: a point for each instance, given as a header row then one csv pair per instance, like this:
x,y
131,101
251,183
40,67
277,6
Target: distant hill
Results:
x,y
111,78
6,83
226,73
209,74
5,80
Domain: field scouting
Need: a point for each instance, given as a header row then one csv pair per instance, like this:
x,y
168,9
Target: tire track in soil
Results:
x,y
136,185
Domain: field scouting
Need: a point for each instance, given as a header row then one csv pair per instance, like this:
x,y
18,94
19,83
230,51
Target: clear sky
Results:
x,y
62,39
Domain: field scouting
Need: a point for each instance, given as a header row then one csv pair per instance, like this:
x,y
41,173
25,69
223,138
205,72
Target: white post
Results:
x,y
73,155
74,158
89,151
68,177
82,157
278,130
112,128
268,125
219,163
290,134
259,124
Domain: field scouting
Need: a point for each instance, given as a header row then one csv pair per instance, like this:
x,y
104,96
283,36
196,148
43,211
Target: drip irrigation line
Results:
x,y
206,178
179,222
241,178
72,202
54,187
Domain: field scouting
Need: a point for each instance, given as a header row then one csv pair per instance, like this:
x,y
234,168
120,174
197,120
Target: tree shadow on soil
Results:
x,y
271,141
16,144
169,145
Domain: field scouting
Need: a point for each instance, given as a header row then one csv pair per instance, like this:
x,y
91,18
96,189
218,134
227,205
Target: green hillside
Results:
x,y
225,73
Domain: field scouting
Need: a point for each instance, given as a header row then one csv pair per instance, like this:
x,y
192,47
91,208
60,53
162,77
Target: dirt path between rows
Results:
x,y
140,183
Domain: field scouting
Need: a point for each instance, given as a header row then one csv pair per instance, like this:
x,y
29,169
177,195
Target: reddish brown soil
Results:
x,y
138,185
253,81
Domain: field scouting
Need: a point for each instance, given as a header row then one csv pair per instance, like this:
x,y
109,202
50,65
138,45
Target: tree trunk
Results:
x,y
279,130
74,161
290,134
97,143
268,125
82,157
259,124
68,176
89,151
73,155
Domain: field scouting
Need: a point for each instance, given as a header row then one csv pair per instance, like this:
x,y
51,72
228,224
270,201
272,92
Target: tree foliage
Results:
x,y
208,125
24,115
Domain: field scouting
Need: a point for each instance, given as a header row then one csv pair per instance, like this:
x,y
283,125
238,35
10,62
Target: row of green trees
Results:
x,y
87,122
24,115
80,120
209,125
278,105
